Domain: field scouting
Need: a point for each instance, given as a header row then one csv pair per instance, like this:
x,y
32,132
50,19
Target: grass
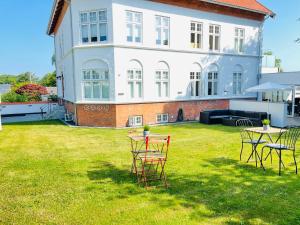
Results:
x,y
54,174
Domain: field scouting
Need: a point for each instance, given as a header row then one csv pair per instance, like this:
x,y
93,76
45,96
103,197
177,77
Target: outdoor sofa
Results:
x,y
229,117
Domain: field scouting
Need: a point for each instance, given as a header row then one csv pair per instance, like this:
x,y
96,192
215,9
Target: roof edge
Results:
x,y
270,13
53,15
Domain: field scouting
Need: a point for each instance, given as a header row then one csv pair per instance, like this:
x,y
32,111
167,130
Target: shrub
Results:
x,y
53,98
14,97
32,91
146,128
266,122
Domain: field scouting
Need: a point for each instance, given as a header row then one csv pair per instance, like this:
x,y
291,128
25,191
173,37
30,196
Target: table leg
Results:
x,y
256,153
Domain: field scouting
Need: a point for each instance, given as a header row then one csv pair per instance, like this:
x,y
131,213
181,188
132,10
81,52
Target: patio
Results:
x,y
51,173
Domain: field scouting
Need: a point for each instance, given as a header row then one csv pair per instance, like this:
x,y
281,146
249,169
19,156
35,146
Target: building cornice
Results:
x,y
200,52
216,6
206,98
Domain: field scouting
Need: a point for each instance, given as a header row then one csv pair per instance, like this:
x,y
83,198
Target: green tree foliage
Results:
x,y
278,62
298,39
14,97
268,52
53,60
26,77
8,79
49,80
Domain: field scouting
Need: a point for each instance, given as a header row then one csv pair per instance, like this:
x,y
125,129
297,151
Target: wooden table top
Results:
x,y
260,130
135,137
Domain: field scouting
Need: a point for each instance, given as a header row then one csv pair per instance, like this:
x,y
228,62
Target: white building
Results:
x,y
134,62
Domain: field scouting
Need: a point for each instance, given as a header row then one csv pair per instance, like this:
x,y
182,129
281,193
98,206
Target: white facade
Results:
x,y
116,55
278,111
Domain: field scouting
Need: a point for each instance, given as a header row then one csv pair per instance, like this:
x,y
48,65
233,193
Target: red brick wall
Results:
x,y
100,115
96,115
191,110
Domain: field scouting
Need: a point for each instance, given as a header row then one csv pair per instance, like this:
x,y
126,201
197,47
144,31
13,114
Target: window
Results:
x,y
95,84
196,35
162,28
93,26
239,40
212,83
195,78
162,80
162,118
135,80
237,83
214,37
135,121
134,22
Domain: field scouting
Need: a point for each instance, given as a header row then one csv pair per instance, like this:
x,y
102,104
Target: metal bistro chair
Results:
x,y
247,137
153,161
286,142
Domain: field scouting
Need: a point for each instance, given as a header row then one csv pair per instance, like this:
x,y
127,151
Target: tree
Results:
x,y
53,60
298,39
8,79
277,60
34,92
49,80
269,52
26,77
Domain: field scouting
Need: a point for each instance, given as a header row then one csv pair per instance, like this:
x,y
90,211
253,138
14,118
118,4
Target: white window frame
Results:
x,y
161,81
133,121
162,118
133,25
135,80
214,35
237,83
196,76
102,80
161,27
98,22
239,40
196,29
214,83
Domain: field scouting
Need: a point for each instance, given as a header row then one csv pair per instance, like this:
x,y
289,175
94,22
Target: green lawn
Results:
x,y
54,174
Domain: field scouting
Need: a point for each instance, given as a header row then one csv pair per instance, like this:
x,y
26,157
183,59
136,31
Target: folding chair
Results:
x,y
153,161
138,146
246,137
286,142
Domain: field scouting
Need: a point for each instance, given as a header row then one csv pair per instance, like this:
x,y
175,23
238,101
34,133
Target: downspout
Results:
x,y
73,62
259,69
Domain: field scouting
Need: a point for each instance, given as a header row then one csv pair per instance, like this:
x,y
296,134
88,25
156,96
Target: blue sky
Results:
x,y
24,45
280,33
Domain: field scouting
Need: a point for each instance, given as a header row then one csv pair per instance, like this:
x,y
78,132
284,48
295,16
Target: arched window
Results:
x,y
237,80
162,80
95,80
196,80
135,79
212,80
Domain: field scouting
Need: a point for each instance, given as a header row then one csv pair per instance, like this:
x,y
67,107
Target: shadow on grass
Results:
x,y
34,123
229,189
104,170
200,126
